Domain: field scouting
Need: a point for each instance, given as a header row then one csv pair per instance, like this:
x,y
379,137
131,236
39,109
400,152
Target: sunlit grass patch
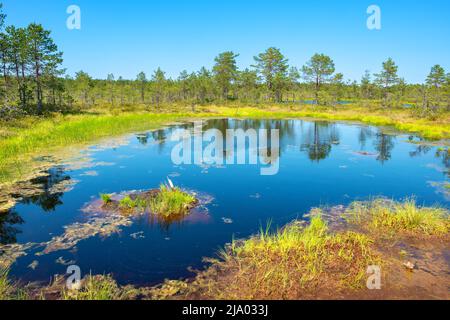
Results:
x,y
5,285
289,264
171,201
406,217
8,290
106,198
99,287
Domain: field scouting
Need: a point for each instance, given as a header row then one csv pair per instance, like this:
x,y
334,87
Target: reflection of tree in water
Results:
x,y
285,128
9,221
364,134
319,140
384,144
143,138
47,194
443,154
159,136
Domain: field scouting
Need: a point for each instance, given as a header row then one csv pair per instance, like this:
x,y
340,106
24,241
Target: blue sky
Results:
x,y
125,37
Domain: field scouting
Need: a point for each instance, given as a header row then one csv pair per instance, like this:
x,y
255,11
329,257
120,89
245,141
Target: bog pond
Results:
x,y
54,223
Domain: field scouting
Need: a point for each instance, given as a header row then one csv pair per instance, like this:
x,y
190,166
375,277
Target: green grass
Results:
x,y
171,201
288,264
8,290
106,198
95,288
5,286
447,186
395,217
128,203
32,137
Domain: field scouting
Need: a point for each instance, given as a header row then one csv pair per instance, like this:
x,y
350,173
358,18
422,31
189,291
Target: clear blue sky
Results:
x,y
125,37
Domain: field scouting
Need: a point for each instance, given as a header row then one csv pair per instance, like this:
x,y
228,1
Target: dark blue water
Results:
x,y
320,164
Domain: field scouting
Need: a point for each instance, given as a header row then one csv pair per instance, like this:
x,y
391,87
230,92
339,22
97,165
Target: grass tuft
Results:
x,y
171,201
95,288
288,264
106,198
407,217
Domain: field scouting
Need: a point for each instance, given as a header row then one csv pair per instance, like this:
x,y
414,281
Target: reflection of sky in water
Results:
x,y
320,164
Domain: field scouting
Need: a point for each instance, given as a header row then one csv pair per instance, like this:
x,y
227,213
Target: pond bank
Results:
x,y
325,259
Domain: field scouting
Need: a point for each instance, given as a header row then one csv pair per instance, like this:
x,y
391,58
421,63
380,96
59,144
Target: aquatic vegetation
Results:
x,y
128,203
9,253
97,226
171,201
106,198
407,217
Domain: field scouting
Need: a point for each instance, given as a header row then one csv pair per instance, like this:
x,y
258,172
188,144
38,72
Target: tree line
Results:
x,y
34,82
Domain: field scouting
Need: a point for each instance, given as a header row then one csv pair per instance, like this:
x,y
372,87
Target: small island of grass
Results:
x,y
167,201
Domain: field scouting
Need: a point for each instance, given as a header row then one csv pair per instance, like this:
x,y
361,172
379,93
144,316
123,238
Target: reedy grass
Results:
x,y
128,203
171,201
95,288
389,217
288,264
8,290
5,285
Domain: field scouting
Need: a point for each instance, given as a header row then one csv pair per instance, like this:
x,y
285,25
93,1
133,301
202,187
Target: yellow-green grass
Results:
x,y
387,218
95,288
291,263
399,119
32,136
5,285
171,201
8,290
